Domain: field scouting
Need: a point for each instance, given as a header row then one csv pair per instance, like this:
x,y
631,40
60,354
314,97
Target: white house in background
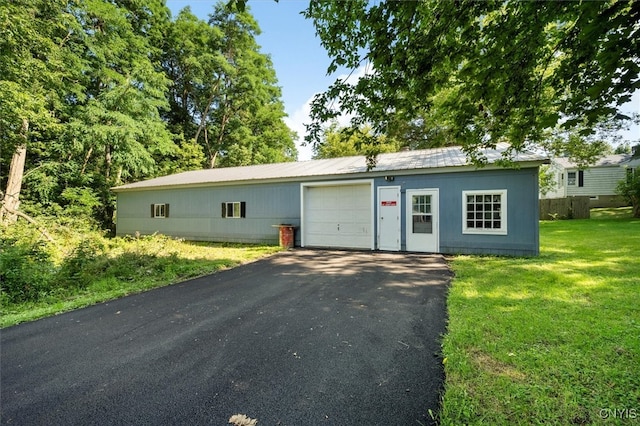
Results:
x,y
598,182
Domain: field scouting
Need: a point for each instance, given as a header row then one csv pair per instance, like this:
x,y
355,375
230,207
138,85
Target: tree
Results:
x,y
35,69
483,71
629,189
343,142
225,97
95,93
547,181
83,91
193,61
249,103
116,127
624,148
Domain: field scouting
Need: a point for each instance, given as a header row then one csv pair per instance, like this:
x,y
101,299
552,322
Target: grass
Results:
x,y
553,339
98,269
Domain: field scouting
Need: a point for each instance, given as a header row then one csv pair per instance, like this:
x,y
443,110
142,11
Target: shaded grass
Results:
x,y
100,269
548,340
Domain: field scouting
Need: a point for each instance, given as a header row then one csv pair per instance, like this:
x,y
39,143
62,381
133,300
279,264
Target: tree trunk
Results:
x,y
107,163
212,160
11,199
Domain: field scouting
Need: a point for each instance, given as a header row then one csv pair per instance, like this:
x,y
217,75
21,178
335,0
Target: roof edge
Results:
x,y
348,176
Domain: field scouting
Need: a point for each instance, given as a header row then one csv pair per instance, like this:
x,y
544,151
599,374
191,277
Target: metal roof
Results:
x,y
427,160
614,160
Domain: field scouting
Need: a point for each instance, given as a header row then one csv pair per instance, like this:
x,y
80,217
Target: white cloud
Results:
x,y
300,116
296,122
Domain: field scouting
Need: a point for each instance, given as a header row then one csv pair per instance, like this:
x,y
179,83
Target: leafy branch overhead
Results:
x,y
476,73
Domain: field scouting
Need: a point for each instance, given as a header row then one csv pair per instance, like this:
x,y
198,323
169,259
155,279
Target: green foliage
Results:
x,y
103,93
546,179
225,96
344,142
629,189
26,270
81,202
78,268
478,73
624,148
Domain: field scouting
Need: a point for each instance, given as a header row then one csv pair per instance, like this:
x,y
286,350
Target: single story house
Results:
x,y
598,181
424,201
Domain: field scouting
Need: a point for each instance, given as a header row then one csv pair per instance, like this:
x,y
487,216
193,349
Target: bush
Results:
x,y
83,265
629,189
26,271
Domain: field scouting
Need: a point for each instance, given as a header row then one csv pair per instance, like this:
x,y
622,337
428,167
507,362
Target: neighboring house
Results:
x,y
423,201
598,181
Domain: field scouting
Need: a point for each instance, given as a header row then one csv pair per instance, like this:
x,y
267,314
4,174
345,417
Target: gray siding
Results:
x,y
196,213
597,181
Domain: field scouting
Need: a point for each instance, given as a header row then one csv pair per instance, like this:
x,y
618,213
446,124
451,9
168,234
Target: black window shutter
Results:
x,y
580,178
166,210
153,211
243,209
224,209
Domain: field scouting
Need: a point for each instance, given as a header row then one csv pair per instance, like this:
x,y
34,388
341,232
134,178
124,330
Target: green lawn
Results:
x,y
548,340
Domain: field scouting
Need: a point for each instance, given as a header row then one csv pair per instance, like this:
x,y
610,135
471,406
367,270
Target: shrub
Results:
x,y
26,271
629,189
82,266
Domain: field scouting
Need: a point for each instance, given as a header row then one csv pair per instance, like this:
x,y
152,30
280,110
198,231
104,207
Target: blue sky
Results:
x,y
300,61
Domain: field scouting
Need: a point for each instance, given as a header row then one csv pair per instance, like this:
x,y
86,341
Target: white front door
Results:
x,y
423,220
389,218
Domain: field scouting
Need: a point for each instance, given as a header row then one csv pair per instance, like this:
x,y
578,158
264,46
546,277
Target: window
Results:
x,y
630,172
484,212
578,176
160,210
234,209
421,214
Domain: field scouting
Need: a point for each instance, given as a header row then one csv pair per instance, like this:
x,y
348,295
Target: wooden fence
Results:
x,y
564,208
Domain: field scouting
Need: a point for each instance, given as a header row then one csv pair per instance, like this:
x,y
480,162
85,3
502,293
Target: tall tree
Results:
x,y
250,112
84,88
35,69
225,96
195,64
116,128
504,70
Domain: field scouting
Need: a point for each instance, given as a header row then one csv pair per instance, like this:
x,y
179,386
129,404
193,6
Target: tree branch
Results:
x,y
30,220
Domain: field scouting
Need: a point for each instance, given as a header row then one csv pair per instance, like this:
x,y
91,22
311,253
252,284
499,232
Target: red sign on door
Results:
x,y
389,203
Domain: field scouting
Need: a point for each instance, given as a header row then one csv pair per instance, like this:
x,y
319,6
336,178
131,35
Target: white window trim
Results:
x,y
503,212
159,208
235,210
233,205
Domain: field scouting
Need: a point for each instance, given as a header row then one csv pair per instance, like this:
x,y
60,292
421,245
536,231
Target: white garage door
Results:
x,y
337,216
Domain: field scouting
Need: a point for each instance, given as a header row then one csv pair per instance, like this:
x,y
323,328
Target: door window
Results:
x,y
421,214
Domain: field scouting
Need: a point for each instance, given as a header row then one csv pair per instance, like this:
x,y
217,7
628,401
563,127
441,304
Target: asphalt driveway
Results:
x,y
304,337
